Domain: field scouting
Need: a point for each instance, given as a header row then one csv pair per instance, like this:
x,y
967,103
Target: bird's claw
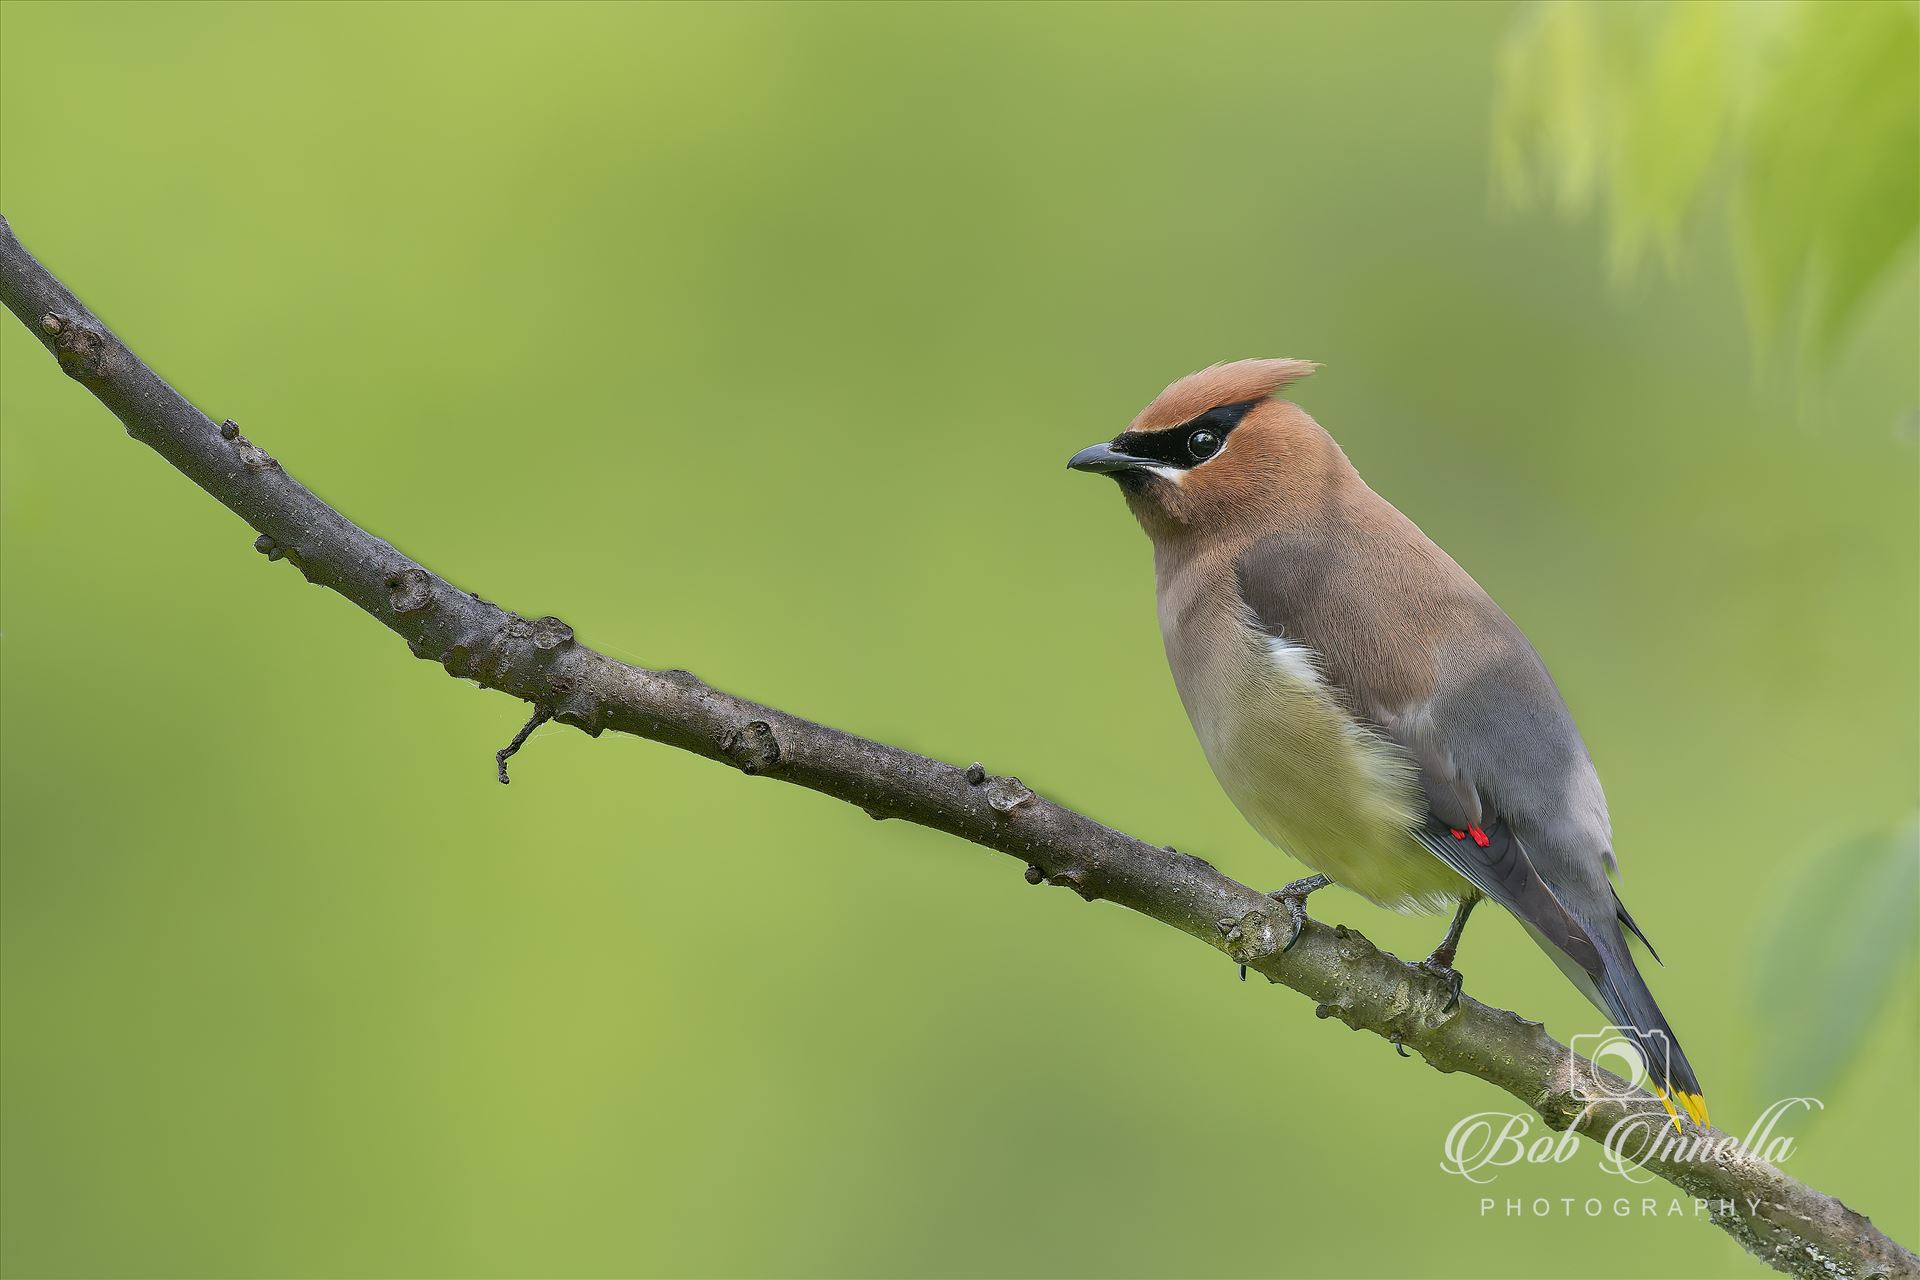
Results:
x,y
1294,899
1448,975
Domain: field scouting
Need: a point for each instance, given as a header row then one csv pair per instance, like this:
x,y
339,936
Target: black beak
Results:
x,y
1104,458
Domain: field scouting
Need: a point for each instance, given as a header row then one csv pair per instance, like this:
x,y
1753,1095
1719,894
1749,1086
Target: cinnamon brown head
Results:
x,y
1214,451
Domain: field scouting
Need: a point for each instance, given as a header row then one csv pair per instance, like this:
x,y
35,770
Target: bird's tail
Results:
x,y
1623,993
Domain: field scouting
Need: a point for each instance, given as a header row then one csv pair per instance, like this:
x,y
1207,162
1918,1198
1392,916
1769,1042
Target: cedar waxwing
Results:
x,y
1364,703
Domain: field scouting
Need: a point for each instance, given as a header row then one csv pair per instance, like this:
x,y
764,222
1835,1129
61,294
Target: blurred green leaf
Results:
x,y
1798,120
1553,91
1830,191
1670,121
1827,967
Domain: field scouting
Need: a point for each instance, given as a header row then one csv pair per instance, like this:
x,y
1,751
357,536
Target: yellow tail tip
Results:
x,y
1695,1104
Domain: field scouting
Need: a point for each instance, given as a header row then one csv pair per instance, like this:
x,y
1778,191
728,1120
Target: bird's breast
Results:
x,y
1303,770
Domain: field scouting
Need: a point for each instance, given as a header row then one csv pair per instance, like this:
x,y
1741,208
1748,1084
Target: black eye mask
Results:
x,y
1187,445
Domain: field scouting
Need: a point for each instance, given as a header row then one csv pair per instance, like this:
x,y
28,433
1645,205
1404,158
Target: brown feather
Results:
x,y
1219,384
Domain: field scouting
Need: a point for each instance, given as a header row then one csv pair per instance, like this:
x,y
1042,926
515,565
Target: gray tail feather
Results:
x,y
1624,995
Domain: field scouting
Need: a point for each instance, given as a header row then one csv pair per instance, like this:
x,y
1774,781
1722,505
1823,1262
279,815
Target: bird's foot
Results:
x,y
1440,963
1439,966
1294,899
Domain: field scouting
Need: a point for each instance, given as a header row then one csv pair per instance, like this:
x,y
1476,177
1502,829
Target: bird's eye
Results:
x,y
1203,445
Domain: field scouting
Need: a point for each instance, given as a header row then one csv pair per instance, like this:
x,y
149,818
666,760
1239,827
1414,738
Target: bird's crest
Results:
x,y
1219,384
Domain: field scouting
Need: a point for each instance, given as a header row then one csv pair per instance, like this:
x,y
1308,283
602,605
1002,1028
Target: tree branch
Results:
x,y
1785,1223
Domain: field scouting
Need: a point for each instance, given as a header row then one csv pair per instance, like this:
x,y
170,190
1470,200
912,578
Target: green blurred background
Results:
x,y
753,340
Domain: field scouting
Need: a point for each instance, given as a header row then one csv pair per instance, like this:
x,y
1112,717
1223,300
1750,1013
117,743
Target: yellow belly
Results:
x,y
1327,789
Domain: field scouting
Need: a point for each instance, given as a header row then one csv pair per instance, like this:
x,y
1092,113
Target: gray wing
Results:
x,y
1514,805
1427,658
